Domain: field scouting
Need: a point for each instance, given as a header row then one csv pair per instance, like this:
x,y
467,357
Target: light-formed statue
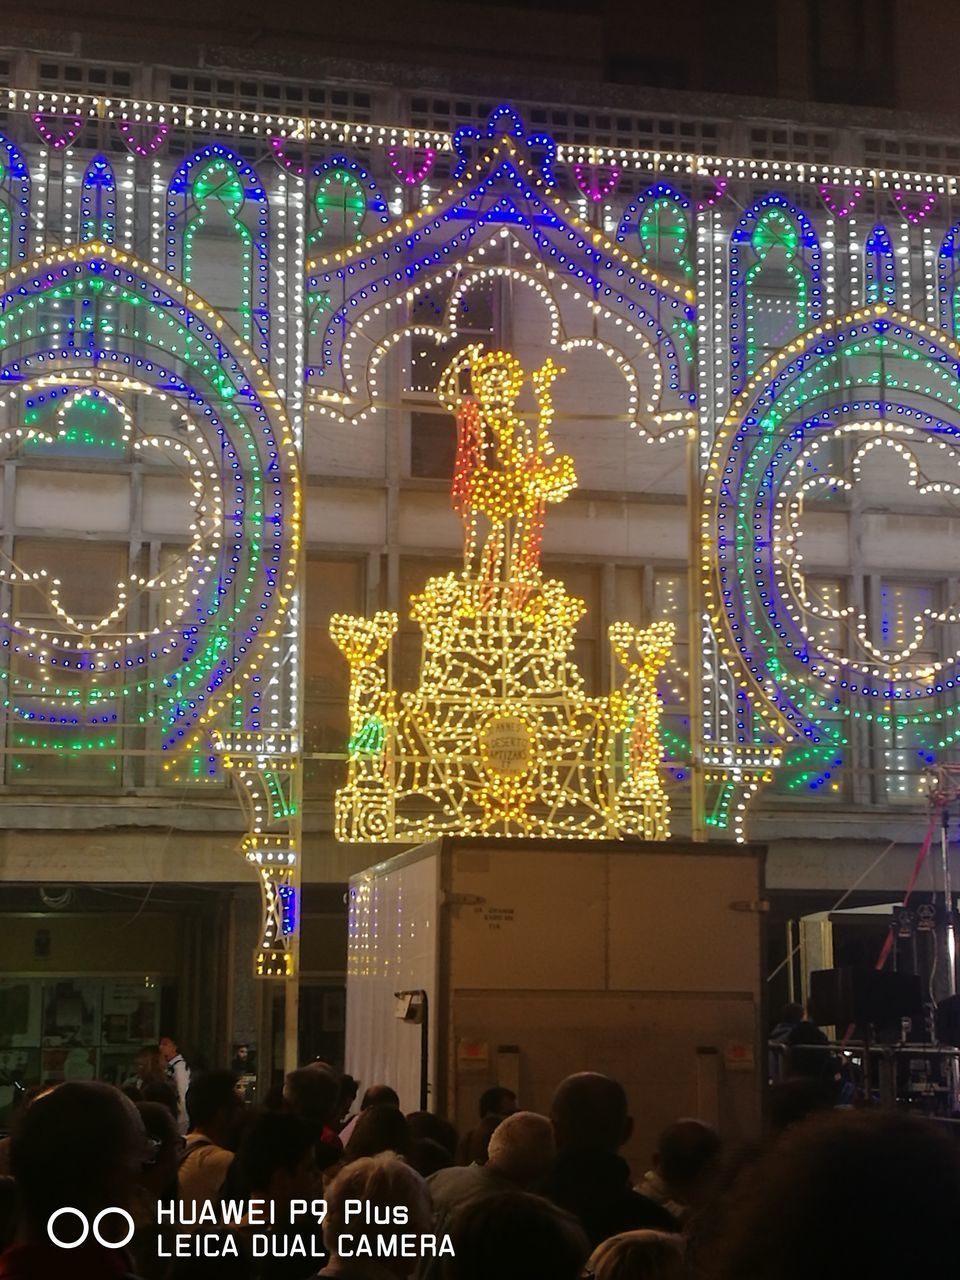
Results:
x,y
500,736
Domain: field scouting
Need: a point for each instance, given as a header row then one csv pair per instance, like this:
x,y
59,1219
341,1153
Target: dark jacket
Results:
x,y
595,1187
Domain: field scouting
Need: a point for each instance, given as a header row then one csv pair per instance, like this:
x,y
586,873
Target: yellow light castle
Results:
x,y
500,737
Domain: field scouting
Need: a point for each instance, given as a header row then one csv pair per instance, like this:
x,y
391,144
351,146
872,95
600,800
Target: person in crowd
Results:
x,y
277,1163
378,1095
516,1236
684,1163
424,1124
244,1062
157,1180
428,1157
495,1103
178,1073
791,1101
164,1092
637,1255
80,1147
313,1093
385,1183
27,1098
475,1145
8,1211
148,1065
434,1142
520,1156
213,1107
797,1047
872,1192
379,1128
348,1096
591,1123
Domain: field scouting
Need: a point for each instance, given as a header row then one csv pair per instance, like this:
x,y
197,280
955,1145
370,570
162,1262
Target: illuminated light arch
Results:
x,y
501,196
185,215
373,201
803,266
824,383
14,204
659,196
98,202
879,267
223,614
361,199
948,280
191,665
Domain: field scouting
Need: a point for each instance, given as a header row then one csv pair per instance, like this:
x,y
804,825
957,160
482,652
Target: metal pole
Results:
x,y
950,937
698,828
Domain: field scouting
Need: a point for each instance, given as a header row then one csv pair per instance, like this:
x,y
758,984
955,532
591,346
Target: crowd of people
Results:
x,y
520,1196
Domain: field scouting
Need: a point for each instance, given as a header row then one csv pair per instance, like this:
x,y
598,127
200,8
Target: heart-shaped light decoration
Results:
x,y
840,200
56,130
596,181
914,205
140,142
405,163
715,196
278,144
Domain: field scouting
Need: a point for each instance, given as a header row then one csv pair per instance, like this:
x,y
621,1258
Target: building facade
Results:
x,y
227,302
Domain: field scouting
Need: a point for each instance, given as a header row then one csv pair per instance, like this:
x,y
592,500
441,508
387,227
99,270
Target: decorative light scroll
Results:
x,y
500,737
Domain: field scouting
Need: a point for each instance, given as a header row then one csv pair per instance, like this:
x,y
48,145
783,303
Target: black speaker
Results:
x,y
861,995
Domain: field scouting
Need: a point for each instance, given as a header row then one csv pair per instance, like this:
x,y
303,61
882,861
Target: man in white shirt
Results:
x,y
214,1104
178,1073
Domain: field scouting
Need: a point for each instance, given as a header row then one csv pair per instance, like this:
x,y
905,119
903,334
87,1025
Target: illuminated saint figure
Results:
x,y
505,468
500,737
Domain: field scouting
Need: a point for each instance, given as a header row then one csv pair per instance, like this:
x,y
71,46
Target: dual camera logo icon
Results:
x,y
66,1235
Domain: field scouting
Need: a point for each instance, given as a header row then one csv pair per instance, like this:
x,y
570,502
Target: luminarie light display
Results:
x,y
500,738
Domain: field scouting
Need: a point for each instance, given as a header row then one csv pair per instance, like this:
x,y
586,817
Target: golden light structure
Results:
x,y
500,737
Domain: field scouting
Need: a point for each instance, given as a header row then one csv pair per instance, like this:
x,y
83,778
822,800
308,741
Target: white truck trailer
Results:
x,y
516,962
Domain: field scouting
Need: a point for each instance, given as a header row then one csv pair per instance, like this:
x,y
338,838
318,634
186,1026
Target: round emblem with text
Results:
x,y
506,745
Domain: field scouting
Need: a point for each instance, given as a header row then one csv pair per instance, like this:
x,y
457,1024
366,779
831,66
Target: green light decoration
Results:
x,y
219,197
370,738
664,234
776,288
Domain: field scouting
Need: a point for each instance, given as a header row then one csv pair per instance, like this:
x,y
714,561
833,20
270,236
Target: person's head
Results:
x,y
277,1159
794,1099
312,1093
81,1145
497,1101
148,1064
516,1236
589,1112
477,1141
379,1095
790,1013
158,1172
213,1102
348,1094
686,1157
428,1157
383,1182
522,1148
379,1128
870,1191
168,1047
161,1091
637,1255
425,1125
242,1053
